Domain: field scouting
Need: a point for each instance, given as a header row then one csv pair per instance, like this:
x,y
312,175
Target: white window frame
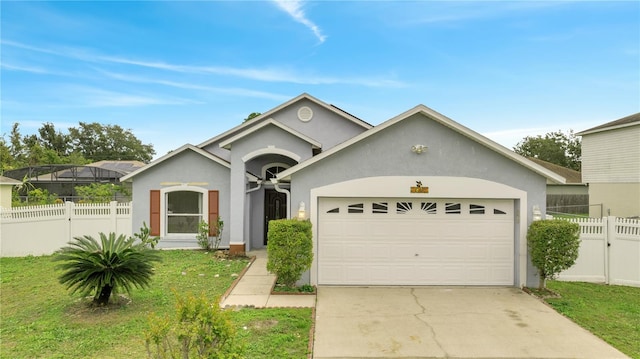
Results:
x,y
163,209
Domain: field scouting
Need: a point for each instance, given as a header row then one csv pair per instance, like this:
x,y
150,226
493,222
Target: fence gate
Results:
x,y
609,252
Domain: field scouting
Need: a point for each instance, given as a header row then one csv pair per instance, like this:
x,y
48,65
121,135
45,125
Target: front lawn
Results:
x,y
608,311
41,320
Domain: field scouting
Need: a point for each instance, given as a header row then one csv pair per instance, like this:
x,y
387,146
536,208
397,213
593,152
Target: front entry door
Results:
x,y
275,207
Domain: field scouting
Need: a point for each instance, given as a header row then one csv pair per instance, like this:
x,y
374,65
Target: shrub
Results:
x,y
205,241
203,235
554,246
202,330
219,227
144,236
289,249
96,268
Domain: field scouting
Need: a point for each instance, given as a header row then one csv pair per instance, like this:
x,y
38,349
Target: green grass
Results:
x,y
41,320
610,312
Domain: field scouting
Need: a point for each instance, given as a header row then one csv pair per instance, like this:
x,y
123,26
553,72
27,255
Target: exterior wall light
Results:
x,y
537,214
418,148
301,211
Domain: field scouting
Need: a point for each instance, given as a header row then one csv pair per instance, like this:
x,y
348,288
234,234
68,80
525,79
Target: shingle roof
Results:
x,y
572,176
623,122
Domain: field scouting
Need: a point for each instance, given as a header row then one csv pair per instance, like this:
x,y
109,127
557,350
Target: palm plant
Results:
x,y
96,268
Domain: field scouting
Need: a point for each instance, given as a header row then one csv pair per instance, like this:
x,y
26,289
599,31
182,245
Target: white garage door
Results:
x,y
415,242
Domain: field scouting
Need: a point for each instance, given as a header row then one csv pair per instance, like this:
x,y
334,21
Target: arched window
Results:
x,y
271,170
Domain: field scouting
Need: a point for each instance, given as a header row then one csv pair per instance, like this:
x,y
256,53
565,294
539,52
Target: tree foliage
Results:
x,y
90,142
99,142
116,263
555,147
100,192
553,245
251,116
289,249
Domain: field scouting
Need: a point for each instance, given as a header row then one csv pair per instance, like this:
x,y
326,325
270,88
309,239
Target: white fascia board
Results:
x,y
227,143
174,153
268,114
286,175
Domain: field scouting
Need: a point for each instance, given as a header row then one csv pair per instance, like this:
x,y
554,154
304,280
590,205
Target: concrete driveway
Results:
x,y
439,322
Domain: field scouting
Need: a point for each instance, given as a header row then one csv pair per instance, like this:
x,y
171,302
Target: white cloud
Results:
x,y
294,9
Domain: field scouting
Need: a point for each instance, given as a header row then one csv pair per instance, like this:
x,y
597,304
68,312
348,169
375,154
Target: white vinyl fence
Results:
x,y
609,252
39,230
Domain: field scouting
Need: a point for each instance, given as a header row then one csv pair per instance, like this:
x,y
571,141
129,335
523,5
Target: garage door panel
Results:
x,y
419,246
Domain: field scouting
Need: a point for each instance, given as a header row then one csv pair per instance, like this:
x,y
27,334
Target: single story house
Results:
x,y
416,200
611,167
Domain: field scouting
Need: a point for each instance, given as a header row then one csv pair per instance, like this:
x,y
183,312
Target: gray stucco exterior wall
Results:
x,y
387,153
187,167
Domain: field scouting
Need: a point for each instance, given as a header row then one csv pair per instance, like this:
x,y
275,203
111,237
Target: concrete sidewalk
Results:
x,y
253,289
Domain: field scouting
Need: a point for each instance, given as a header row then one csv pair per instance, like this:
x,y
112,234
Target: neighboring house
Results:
x,y
62,179
6,185
611,167
416,200
570,197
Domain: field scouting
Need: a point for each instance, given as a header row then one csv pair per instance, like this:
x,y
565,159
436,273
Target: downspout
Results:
x,y
259,182
282,190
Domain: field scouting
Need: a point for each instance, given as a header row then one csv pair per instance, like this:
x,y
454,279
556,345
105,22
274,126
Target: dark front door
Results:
x,y
275,207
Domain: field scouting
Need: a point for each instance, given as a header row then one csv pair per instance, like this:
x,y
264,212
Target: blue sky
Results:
x,y
179,72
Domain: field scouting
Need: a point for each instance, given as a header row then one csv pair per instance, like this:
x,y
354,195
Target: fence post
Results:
x,y
610,229
113,216
68,210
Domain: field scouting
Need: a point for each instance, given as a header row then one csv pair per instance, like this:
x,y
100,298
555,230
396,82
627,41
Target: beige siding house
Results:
x,y
611,167
6,184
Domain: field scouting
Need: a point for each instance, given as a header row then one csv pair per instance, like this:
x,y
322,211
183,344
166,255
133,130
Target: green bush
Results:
x,y
203,235
96,268
289,249
144,236
202,330
100,192
553,245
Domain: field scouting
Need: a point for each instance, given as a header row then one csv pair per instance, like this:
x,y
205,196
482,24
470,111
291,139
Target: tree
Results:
x,y
98,142
555,147
251,116
54,140
6,159
96,268
553,245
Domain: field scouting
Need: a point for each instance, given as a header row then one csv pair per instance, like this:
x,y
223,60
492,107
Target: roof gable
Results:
x,y
441,119
187,147
270,122
631,120
267,115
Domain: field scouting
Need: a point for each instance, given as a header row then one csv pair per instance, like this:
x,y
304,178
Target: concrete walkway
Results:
x,y
254,289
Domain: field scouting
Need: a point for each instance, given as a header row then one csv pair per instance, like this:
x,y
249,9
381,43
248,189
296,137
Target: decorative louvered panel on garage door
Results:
x,y
415,241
